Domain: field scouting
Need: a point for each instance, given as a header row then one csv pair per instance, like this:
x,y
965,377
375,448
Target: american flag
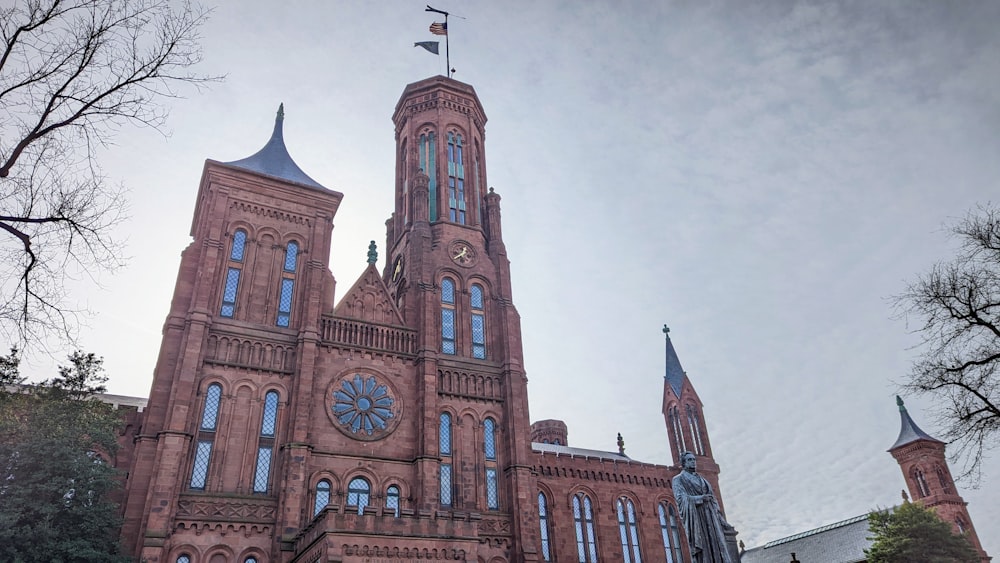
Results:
x,y
438,28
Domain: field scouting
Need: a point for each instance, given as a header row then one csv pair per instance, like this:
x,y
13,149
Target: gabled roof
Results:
x,y
674,375
369,300
908,430
274,160
840,542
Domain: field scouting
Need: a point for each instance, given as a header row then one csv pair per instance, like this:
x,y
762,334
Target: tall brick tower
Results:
x,y
925,469
685,419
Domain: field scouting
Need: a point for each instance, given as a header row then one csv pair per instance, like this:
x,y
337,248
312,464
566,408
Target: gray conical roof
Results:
x,y
274,159
908,430
674,372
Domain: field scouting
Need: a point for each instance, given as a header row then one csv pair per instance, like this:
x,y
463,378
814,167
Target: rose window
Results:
x,y
362,405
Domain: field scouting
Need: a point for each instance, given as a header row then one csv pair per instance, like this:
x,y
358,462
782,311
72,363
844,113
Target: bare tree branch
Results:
x,y
958,305
72,72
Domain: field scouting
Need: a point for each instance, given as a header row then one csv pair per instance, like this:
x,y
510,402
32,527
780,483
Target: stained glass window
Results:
x,y
543,520
291,256
239,242
199,472
322,496
490,438
357,493
285,302
229,294
211,413
492,495
362,404
392,500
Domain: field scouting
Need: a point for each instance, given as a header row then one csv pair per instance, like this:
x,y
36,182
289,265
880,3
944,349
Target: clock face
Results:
x,y
462,254
397,269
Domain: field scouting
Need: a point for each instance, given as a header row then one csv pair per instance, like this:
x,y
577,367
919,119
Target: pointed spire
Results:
x,y
273,159
908,430
674,372
372,252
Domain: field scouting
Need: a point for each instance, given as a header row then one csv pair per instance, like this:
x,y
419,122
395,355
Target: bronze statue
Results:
x,y
700,514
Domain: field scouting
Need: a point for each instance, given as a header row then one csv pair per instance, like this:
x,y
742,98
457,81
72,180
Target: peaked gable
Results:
x,y
368,300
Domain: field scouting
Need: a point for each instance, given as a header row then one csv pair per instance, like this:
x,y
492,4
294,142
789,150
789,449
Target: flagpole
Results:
x,y
447,43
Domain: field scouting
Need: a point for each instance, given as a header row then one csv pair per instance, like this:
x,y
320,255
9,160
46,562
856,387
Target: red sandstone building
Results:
x,y
391,424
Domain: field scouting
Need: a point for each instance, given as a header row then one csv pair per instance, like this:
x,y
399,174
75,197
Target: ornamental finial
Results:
x,y
281,112
899,403
621,444
372,253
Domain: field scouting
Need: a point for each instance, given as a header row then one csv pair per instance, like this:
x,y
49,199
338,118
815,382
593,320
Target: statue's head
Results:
x,y
689,461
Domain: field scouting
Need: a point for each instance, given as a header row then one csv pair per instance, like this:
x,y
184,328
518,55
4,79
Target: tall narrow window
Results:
x,y
456,179
583,519
490,453
960,524
232,286
358,493
444,444
478,323
322,496
206,436
943,479
426,155
392,500
628,530
404,173
918,478
670,532
695,424
543,521
287,284
677,430
447,316
265,445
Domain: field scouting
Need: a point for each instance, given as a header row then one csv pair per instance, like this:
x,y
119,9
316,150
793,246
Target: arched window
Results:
x,y
444,445
478,323
322,496
490,453
358,493
960,524
447,316
206,436
236,252
628,530
918,478
676,430
695,424
426,154
392,500
943,479
670,532
184,558
583,518
543,520
556,442
456,179
250,559
287,284
265,445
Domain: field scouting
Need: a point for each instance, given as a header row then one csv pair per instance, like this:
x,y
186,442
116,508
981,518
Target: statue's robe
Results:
x,y
703,522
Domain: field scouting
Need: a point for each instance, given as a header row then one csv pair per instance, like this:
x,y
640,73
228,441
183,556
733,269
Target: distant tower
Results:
x,y
684,416
922,460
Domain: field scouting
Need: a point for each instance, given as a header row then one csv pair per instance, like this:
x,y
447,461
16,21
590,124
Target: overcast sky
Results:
x,y
761,176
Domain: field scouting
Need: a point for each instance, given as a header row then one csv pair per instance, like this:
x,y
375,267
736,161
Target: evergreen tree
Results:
x,y
914,533
57,485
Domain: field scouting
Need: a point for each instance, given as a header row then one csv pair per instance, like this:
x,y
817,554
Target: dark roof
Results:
x,y
274,160
674,372
908,430
841,542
